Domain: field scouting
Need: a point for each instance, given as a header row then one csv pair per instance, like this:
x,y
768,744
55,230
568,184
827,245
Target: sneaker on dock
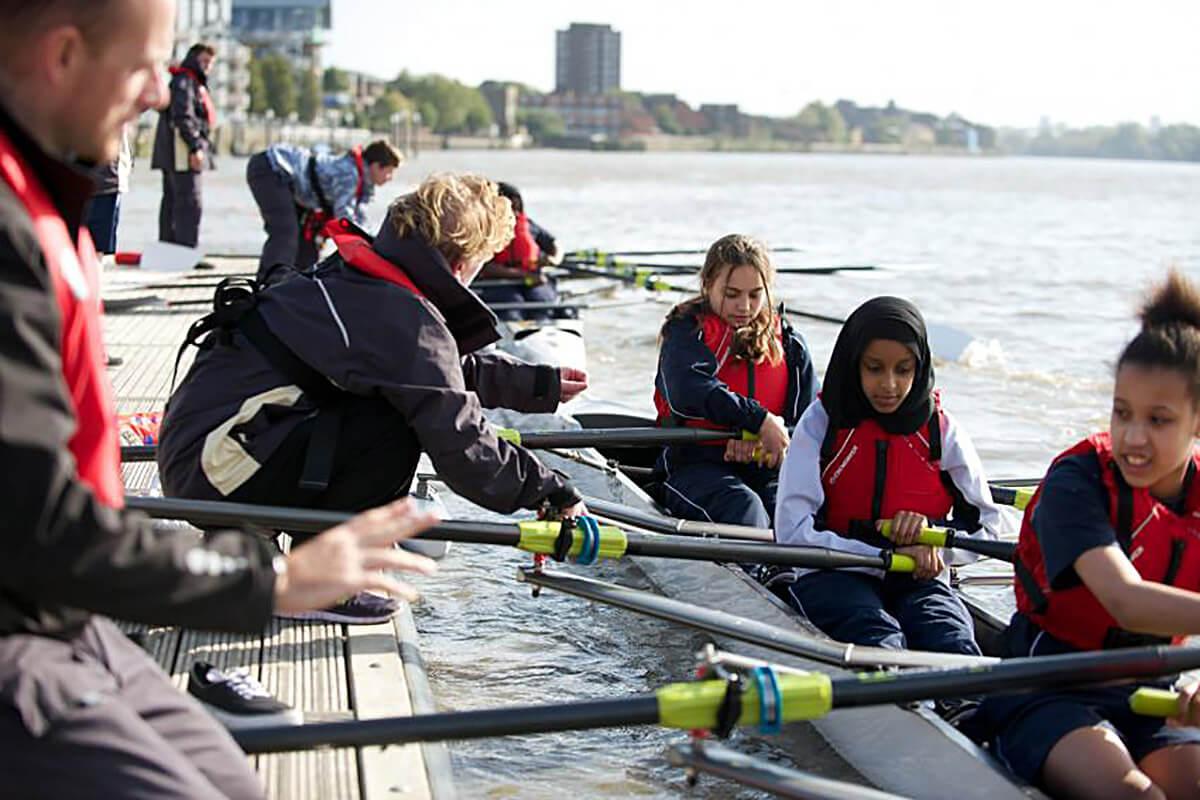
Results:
x,y
237,700
363,608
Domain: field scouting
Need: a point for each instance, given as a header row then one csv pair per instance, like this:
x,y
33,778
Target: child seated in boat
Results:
x,y
728,361
878,445
518,268
1109,556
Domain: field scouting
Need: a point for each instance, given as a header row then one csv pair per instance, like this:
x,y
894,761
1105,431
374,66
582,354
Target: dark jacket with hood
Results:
x,y
374,339
687,373
185,117
61,549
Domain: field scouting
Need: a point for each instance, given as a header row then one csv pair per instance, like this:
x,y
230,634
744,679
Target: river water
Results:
x,y
1040,261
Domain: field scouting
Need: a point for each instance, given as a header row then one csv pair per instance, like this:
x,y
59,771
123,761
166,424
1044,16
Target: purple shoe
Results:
x,y
363,608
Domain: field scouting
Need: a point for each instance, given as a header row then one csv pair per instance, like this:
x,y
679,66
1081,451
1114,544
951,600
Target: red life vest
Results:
x,y
874,474
357,252
522,251
210,109
765,382
1163,546
75,278
356,151
319,224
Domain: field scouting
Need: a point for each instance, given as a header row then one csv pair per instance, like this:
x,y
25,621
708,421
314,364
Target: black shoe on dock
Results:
x,y
237,700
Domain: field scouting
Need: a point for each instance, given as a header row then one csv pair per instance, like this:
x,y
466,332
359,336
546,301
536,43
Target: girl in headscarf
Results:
x,y
878,446
728,361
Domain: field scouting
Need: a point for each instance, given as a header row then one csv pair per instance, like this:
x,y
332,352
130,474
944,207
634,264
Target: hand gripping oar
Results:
x,y
582,542
546,440
721,623
950,538
765,698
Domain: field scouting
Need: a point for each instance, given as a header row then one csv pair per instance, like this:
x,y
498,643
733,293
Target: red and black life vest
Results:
x,y
871,474
1163,546
522,252
355,249
765,382
319,223
210,109
75,278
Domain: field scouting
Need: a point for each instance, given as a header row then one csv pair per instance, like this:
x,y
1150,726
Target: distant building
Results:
x,y
587,59
503,99
210,21
584,115
295,29
726,119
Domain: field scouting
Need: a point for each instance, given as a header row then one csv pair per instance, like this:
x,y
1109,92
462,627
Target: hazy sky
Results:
x,y
1003,62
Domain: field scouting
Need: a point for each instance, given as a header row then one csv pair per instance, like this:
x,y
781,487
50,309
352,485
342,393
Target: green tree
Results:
x,y
280,83
380,116
542,123
665,118
334,80
821,123
446,105
309,103
259,101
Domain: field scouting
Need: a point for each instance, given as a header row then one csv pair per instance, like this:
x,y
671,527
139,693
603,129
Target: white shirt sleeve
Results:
x,y
961,462
800,495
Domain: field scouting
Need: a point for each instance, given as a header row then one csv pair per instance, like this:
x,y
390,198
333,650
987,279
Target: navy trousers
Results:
x,y
714,491
104,212
281,219
896,611
179,212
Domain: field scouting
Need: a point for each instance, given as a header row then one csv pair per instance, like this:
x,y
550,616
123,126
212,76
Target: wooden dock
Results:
x,y
330,672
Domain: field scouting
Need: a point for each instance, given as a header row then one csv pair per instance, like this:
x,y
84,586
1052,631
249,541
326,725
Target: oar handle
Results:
x,y
935,536
1016,496
1154,702
898,562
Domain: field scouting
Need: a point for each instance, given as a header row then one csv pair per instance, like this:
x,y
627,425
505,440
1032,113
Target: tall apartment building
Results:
x,y
210,21
295,29
587,59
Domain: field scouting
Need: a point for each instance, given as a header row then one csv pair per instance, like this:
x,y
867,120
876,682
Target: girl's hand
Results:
x,y
354,557
572,381
1189,705
773,438
929,560
906,527
740,452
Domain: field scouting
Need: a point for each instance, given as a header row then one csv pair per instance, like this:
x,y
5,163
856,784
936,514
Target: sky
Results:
x,y
1004,62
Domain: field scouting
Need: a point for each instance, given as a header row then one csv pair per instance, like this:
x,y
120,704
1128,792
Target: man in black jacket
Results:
x,y
83,711
183,146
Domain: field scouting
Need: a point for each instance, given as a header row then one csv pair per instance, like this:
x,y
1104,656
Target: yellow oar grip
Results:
x,y
508,435
902,563
540,536
695,705
747,436
935,537
1154,702
1022,497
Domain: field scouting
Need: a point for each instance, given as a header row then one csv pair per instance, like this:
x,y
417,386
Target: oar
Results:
x,y
694,269
783,697
721,623
531,306
1151,702
546,440
950,538
533,536
701,755
1017,497
660,523
596,254
946,342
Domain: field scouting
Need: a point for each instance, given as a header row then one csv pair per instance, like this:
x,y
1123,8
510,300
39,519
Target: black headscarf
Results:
x,y
841,392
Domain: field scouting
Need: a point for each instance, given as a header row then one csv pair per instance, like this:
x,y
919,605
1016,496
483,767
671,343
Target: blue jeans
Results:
x,y
897,611
104,211
716,491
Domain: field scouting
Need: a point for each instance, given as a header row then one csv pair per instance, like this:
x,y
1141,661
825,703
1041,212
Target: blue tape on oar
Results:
x,y
590,548
770,701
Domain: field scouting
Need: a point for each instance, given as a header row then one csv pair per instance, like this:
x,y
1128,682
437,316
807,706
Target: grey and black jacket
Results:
x,y
370,338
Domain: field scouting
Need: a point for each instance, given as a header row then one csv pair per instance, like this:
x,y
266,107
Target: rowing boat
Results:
x,y
889,747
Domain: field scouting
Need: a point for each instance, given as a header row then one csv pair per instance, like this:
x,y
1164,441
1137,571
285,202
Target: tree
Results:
x,y
665,118
380,117
446,105
335,80
309,104
821,123
259,101
542,123
280,83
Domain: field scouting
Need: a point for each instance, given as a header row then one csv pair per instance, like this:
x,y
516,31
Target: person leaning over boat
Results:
x,y
328,393
1109,556
727,360
84,711
522,260
299,191
879,445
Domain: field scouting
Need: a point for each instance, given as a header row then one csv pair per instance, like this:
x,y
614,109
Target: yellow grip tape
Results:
x,y
1022,498
1154,702
508,435
933,536
539,536
695,705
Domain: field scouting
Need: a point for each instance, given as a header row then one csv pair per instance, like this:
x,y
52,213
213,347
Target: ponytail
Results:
x,y
1170,334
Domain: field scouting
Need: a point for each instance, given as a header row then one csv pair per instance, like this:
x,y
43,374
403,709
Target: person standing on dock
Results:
x,y
519,266
298,192
326,389
183,147
728,360
878,445
84,711
104,211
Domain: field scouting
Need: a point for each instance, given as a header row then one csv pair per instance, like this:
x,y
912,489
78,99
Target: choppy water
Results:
x,y
1041,261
